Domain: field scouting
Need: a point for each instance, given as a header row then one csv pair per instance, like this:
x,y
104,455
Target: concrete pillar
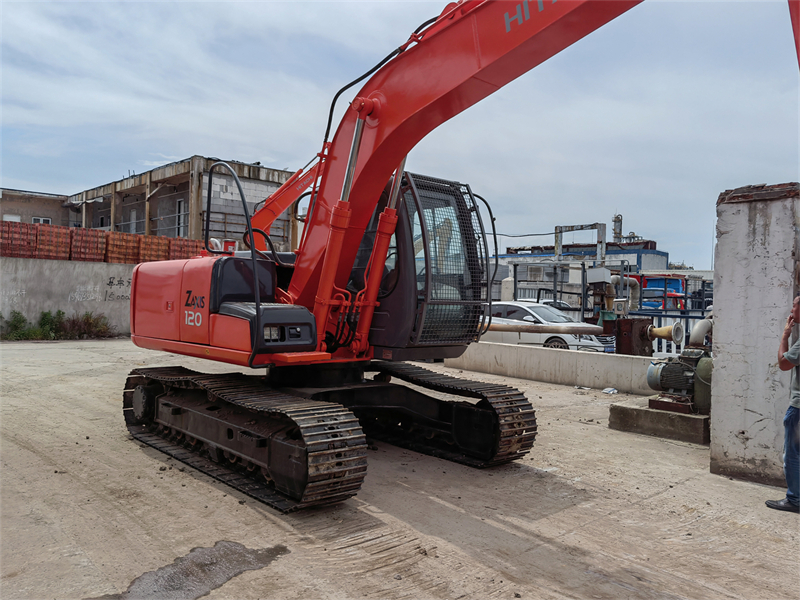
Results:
x,y
507,289
148,184
196,198
83,210
113,202
755,279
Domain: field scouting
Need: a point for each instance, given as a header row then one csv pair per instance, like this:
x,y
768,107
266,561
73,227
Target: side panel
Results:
x,y
230,332
156,299
194,303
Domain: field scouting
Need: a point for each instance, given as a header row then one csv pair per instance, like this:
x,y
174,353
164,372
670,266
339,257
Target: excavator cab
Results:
x,y
435,284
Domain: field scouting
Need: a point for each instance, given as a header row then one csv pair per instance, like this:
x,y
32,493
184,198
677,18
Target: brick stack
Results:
x,y
180,248
52,242
122,247
153,247
87,245
17,239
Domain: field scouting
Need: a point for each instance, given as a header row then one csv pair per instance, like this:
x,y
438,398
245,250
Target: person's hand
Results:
x,y
789,323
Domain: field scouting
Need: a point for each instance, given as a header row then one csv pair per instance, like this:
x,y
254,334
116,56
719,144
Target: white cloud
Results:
x,y
651,116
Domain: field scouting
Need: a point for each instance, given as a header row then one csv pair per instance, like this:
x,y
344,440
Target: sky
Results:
x,y
652,116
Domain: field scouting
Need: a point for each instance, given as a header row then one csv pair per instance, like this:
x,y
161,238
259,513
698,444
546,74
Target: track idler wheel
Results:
x,y
144,403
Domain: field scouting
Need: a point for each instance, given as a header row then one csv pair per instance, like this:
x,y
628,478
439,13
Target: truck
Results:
x,y
662,291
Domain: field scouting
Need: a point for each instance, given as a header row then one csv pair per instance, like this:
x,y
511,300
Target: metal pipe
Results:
x,y
673,333
555,282
633,301
699,332
584,293
514,296
155,191
575,329
351,162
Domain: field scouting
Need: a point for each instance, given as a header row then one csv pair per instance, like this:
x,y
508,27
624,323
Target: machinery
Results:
x,y
635,337
392,267
685,381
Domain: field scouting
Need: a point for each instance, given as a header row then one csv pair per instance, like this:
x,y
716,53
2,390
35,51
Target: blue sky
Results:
x,y
652,116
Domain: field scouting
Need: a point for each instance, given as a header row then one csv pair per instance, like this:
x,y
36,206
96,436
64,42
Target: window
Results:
x,y
41,220
181,219
14,218
497,311
518,314
102,221
550,315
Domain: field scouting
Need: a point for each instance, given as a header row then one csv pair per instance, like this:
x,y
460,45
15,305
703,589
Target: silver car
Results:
x,y
541,314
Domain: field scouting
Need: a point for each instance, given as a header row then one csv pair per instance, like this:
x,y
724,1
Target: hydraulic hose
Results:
x,y
367,74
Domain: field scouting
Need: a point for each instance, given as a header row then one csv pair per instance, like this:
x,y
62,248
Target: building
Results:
x,y
34,207
641,255
170,201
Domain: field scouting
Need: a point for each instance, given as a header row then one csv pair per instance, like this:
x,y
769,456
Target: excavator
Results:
x,y
392,269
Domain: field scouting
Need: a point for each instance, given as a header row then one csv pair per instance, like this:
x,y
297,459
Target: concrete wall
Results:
x,y
227,216
564,367
754,282
32,286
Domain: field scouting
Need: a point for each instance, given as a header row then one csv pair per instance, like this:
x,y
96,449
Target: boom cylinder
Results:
x,y
387,221
340,220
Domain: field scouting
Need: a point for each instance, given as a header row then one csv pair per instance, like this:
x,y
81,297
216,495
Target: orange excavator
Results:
x,y
392,267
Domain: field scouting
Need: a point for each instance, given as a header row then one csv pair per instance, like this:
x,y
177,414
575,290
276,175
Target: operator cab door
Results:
x,y
434,289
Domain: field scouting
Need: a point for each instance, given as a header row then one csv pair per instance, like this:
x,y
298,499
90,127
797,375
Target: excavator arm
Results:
x,y
473,49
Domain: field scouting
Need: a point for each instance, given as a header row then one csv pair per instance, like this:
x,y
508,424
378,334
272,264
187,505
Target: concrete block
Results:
x,y
636,417
565,367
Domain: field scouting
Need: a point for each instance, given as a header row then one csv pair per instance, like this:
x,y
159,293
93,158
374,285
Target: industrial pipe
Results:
x,y
633,300
699,332
672,332
532,328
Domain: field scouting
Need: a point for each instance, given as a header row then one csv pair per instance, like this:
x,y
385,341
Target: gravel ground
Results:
x,y
87,512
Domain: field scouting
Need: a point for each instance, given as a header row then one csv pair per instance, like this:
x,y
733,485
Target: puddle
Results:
x,y
196,574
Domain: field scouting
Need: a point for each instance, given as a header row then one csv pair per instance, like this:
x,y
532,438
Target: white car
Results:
x,y
541,314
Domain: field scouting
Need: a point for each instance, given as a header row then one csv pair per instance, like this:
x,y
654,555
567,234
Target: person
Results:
x,y
789,358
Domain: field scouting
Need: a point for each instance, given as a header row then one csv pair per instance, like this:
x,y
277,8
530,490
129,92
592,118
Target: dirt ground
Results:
x,y
591,513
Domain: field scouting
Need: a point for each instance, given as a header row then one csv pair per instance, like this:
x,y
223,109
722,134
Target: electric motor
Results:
x,y
673,374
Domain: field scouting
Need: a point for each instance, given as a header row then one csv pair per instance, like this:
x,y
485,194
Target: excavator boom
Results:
x,y
472,50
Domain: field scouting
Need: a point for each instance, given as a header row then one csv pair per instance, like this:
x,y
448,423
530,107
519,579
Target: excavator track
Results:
x,y
328,437
516,418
